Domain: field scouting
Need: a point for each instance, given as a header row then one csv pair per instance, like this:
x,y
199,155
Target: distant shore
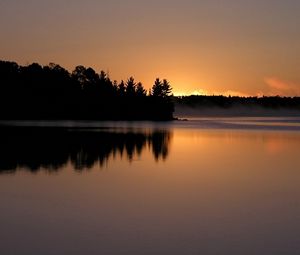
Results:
x,y
221,106
183,112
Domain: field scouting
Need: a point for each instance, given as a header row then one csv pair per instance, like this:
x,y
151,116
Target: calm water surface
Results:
x,y
206,186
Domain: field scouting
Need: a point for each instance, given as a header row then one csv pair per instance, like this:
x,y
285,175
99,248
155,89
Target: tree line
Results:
x,y
267,102
52,92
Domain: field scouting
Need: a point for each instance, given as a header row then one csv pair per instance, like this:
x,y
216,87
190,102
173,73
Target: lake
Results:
x,y
203,186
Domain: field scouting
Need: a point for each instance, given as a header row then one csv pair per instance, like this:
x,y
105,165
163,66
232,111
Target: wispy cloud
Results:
x,y
280,87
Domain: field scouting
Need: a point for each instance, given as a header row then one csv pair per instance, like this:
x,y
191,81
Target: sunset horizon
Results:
x,y
149,127
238,47
277,87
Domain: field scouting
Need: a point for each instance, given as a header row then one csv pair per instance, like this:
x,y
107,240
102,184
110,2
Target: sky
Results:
x,y
236,47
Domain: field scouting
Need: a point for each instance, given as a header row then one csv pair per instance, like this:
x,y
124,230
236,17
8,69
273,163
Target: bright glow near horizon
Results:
x,y
237,47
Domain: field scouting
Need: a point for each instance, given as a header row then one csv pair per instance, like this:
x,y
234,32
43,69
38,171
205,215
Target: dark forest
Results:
x,y
52,93
36,92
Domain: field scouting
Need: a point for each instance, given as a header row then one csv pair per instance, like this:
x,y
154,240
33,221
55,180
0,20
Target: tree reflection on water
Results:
x,y
35,148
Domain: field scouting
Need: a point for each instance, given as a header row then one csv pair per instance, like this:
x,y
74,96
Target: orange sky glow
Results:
x,y
202,47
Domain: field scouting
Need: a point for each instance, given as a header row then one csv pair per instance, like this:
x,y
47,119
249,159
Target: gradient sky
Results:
x,y
227,46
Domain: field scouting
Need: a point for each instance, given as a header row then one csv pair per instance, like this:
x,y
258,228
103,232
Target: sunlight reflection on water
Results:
x,y
186,187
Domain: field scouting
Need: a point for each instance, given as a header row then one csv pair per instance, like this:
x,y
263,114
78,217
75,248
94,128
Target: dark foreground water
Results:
x,y
206,186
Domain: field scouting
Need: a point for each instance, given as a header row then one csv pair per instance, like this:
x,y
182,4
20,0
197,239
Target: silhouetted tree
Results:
x,y
130,87
79,75
140,91
121,89
166,88
115,86
105,85
161,88
92,77
161,99
157,88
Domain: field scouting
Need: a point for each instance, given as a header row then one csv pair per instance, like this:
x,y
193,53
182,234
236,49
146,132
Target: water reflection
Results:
x,y
52,148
